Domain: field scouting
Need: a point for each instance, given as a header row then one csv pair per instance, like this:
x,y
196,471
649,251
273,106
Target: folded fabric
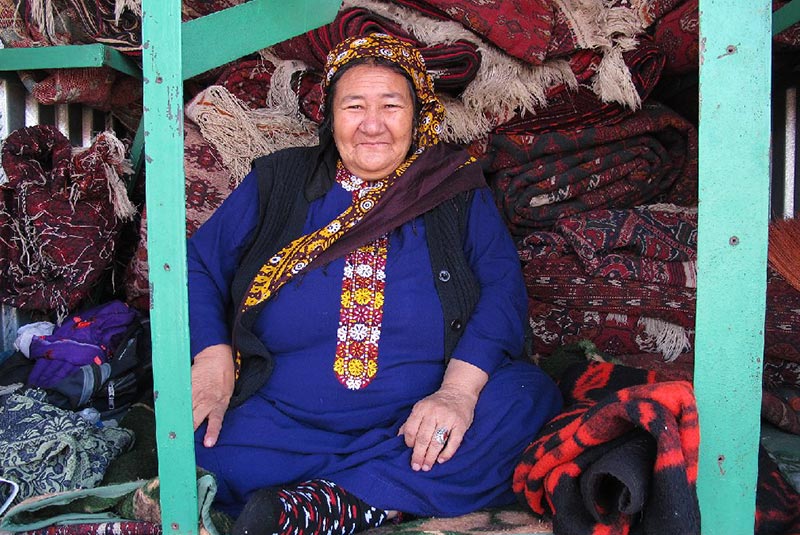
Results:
x,y
525,30
625,278
622,458
208,182
479,91
612,413
27,332
618,334
581,106
45,449
537,30
453,65
61,211
130,501
89,337
651,156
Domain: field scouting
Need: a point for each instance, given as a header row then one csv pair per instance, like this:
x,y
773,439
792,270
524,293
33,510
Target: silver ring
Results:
x,y
441,435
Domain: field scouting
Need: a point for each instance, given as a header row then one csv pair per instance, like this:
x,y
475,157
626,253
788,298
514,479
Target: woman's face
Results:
x,y
373,117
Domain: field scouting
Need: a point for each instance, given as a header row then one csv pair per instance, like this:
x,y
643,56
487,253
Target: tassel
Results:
x,y
114,164
135,6
613,82
241,134
42,15
670,339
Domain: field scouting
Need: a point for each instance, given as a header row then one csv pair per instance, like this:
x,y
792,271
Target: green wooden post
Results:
x,y
166,249
734,134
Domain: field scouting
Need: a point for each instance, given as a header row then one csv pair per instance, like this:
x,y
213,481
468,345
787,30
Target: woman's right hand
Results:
x,y
212,388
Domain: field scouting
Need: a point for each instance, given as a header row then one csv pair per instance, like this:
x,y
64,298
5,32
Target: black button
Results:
x,y
455,325
444,275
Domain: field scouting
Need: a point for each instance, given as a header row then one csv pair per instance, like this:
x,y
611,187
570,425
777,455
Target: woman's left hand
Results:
x,y
437,424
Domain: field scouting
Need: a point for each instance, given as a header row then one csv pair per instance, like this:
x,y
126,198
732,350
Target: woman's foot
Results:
x,y
309,508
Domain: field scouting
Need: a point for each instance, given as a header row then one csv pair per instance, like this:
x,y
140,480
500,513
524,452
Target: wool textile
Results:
x,y
60,215
631,428
539,178
581,107
453,65
617,423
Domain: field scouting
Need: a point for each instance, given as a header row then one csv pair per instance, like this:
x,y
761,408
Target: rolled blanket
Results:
x,y
208,182
101,88
622,458
581,106
612,411
60,214
453,65
650,155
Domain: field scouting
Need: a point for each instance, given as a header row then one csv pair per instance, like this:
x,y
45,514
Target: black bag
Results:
x,y
113,386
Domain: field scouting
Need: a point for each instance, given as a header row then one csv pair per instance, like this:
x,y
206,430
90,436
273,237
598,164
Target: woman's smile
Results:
x,y
373,117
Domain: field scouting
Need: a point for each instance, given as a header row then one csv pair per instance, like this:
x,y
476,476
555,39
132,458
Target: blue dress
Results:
x,y
304,423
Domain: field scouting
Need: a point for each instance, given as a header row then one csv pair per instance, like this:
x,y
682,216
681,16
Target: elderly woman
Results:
x,y
356,309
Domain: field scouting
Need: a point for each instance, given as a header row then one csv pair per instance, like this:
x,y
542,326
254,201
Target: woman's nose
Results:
x,y
372,121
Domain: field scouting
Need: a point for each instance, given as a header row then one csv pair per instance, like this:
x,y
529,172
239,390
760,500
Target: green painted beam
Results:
x,y
59,57
734,137
137,155
166,250
786,16
237,31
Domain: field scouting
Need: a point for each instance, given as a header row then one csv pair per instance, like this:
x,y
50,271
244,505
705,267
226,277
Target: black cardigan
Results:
x,y
291,179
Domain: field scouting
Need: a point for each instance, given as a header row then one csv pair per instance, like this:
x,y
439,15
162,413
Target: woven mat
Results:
x,y
510,520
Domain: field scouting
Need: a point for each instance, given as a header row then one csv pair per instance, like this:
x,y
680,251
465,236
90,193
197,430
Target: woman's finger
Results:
x,y
453,443
424,439
215,418
439,440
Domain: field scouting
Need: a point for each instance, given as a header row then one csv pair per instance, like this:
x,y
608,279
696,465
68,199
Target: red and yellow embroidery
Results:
x,y
361,311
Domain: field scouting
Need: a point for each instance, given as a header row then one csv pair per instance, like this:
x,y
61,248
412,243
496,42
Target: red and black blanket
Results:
x,y
622,458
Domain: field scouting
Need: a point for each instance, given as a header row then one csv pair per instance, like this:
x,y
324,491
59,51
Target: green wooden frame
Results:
x,y
734,186
733,217
59,57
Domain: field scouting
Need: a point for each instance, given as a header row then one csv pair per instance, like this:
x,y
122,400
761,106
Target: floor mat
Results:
x,y
510,520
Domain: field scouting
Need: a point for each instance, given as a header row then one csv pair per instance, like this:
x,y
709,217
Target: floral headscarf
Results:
x,y
381,45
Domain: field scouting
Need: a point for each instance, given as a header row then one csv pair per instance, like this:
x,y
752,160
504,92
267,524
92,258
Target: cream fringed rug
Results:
x,y
512,520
